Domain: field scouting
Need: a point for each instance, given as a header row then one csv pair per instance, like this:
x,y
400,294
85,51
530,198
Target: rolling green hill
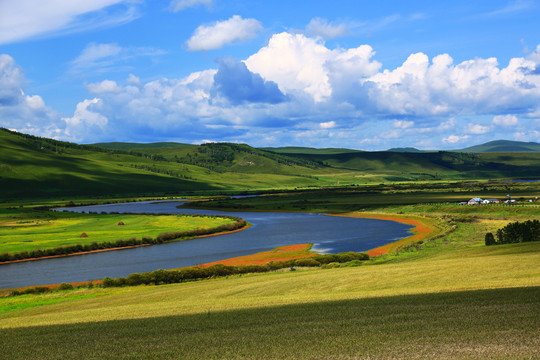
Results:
x,y
404,149
131,146
309,150
503,146
31,166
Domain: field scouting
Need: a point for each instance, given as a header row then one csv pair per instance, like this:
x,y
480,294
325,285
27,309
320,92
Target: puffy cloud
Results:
x,y
505,120
452,139
328,125
289,90
403,124
298,63
18,111
103,87
476,129
221,33
532,135
239,85
441,88
11,81
179,5
84,115
24,19
321,27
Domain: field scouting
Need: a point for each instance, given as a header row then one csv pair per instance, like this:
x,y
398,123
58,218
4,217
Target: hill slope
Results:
x,y
31,166
38,167
503,146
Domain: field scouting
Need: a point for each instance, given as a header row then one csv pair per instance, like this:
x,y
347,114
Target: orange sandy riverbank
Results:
x,y
420,231
282,253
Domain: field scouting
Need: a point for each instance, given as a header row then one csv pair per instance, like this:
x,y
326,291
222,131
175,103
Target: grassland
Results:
x,y
449,298
471,304
27,230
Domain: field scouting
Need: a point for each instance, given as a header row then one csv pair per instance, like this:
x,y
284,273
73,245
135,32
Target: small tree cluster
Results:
x,y
516,232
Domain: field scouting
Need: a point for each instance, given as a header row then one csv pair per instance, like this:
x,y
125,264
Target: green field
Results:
x,y
26,230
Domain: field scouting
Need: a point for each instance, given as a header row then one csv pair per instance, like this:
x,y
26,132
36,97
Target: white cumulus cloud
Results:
x,y
452,139
18,111
298,63
221,33
403,124
505,120
476,129
328,125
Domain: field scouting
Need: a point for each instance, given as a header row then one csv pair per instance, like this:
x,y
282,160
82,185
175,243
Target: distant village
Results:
x,y
480,201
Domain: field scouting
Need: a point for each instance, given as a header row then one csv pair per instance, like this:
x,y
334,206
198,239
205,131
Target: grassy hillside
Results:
x,y
404,149
131,146
503,146
407,166
308,150
38,167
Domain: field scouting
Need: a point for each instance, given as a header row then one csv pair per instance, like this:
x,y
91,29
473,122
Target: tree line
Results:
x,y
160,277
515,232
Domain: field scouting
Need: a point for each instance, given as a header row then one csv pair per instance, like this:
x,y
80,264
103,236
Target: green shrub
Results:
x,y
65,286
307,262
489,239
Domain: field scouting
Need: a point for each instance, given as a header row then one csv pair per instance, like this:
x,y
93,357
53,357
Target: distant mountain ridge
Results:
x,y
405,150
503,146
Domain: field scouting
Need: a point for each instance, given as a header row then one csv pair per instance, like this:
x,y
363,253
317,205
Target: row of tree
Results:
x,y
515,232
160,277
146,240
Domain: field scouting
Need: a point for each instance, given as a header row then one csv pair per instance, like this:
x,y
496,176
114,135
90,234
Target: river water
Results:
x,y
330,234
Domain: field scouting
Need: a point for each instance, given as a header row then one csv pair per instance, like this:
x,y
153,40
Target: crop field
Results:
x,y
22,230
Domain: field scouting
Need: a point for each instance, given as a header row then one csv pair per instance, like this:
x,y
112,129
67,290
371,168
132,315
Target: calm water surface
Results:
x,y
328,234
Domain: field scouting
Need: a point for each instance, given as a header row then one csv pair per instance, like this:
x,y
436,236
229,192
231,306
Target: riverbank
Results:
x,y
279,254
423,228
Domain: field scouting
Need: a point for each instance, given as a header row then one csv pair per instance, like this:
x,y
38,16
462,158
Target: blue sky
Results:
x,y
355,74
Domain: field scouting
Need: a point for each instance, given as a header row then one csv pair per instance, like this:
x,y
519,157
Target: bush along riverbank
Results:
x,y
160,277
123,243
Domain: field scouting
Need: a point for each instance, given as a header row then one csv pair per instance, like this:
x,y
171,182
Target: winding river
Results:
x,y
331,234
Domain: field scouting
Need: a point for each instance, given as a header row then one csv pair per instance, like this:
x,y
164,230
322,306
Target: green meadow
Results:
x,y
27,230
